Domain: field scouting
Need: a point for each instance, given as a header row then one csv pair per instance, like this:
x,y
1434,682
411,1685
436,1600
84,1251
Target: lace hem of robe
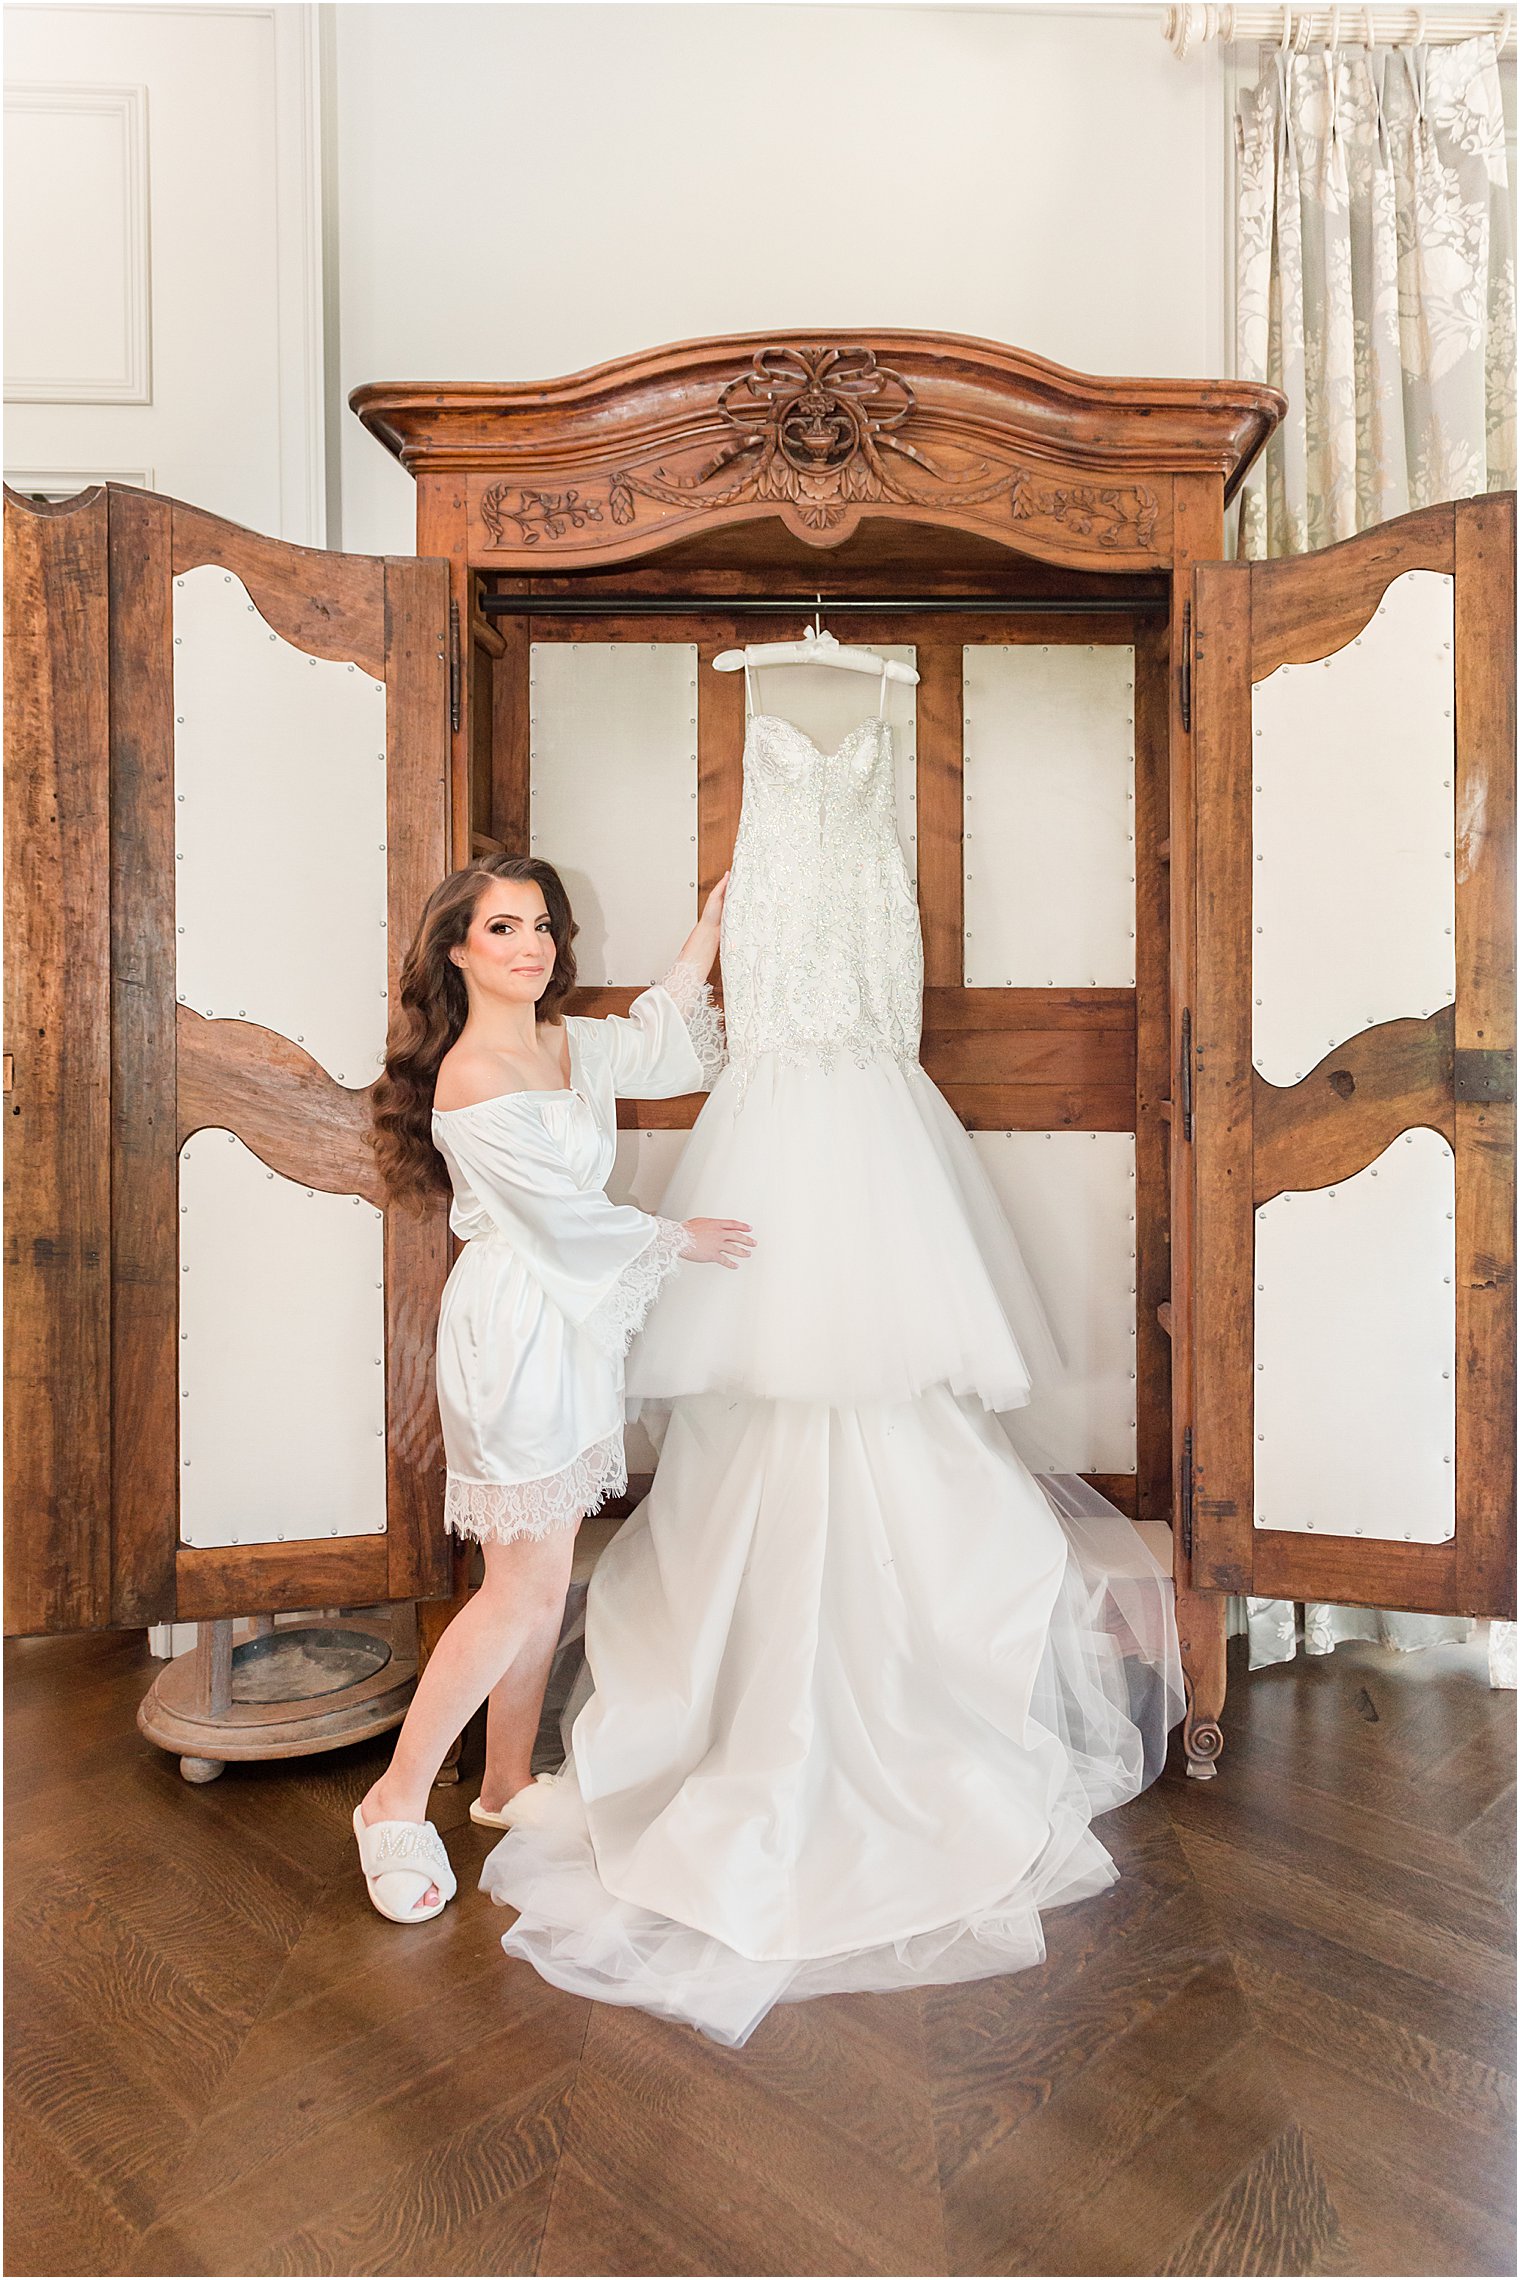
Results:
x,y
693,999
495,1512
615,1319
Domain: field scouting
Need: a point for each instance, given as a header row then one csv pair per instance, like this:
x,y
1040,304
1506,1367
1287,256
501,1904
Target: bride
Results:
x,y
857,1680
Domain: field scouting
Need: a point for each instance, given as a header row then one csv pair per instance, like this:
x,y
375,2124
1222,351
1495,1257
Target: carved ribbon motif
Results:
x,y
817,430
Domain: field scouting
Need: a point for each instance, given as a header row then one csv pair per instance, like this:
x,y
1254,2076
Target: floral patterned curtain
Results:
x,y
1375,285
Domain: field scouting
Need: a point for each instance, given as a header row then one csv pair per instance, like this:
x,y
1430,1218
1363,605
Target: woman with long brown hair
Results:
x,y
493,1095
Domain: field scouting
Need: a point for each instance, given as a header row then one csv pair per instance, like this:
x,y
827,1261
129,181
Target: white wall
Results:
x,y
523,191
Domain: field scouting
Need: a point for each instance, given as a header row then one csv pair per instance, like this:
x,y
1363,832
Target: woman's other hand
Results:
x,y
719,1242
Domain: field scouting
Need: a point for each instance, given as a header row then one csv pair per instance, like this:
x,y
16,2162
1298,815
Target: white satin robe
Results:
x,y
554,1279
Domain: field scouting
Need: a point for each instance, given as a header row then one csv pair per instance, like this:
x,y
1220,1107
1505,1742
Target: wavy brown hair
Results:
x,y
431,1014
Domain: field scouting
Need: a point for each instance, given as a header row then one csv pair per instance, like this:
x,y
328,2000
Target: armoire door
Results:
x,y
226,800
1352,1070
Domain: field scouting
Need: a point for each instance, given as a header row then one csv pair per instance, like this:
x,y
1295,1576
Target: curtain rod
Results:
x,y
1300,28
684,605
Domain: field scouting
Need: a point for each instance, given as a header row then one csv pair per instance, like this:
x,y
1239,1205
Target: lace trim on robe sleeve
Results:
x,y
614,1320
494,1512
693,999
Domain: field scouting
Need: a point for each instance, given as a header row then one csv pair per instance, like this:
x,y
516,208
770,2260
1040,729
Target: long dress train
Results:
x,y
857,1679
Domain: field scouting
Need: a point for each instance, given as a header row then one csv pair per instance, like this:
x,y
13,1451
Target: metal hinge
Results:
x,y
1483,1074
1187,667
456,670
1185,1492
1185,1073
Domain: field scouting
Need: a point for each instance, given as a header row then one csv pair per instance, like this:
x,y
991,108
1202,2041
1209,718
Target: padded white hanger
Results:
x,y
816,647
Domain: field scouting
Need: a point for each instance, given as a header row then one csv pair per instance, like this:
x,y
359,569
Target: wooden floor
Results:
x,y
1282,2043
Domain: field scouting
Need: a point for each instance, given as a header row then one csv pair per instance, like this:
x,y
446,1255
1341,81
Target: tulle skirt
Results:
x,y
883,1265
858,1681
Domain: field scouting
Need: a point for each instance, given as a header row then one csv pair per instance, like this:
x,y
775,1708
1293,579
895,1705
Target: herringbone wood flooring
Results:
x,y
1282,2043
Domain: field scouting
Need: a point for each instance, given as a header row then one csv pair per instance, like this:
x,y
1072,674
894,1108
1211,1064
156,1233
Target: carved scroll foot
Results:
x,y
1200,1635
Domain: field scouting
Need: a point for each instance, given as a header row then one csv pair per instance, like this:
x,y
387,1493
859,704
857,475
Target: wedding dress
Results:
x,y
858,1680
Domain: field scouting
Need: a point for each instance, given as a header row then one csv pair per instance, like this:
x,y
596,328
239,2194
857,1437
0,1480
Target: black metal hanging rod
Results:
x,y
685,605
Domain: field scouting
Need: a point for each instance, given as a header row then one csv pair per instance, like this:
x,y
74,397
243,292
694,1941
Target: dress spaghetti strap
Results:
x,y
749,690
881,694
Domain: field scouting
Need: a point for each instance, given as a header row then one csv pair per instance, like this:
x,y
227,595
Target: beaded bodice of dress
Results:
x,y
822,953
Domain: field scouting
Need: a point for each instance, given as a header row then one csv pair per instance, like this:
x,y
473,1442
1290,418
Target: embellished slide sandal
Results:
x,y
400,1859
520,1811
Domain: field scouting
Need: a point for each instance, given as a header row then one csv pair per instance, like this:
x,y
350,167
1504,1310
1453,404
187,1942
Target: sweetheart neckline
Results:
x,y
871,720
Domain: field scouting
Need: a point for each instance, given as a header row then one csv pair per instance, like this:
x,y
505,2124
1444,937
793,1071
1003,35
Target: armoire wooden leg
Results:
x,y
1200,1635
433,1618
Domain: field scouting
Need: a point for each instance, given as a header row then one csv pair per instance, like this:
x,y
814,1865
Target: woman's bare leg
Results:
x,y
522,1594
513,1713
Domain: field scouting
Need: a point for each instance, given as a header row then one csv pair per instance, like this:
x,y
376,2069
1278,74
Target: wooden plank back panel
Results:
x,y
58,1067
720,766
507,819
941,813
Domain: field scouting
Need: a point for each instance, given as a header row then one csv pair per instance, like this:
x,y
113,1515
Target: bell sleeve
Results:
x,y
601,1263
669,1042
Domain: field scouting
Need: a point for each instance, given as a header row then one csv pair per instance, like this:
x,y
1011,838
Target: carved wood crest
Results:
x,y
818,430
820,433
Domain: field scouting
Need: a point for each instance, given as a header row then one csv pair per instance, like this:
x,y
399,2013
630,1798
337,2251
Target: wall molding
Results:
x,y
65,482
300,256
128,105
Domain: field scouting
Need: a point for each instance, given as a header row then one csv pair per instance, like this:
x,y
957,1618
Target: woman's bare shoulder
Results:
x,y
469,1074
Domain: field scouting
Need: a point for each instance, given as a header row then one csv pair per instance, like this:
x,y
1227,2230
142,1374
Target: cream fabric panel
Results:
x,y
1049,815
1353,817
614,797
279,871
281,1350
1070,1198
1355,1350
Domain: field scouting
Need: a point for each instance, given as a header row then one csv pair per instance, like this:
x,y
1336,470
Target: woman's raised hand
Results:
x,y
701,946
719,1242
712,909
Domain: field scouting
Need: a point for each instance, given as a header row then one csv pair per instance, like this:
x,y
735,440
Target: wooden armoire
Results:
x,y
942,491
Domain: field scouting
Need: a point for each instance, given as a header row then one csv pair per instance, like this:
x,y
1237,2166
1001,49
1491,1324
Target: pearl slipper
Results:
x,y
521,1811
400,1859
